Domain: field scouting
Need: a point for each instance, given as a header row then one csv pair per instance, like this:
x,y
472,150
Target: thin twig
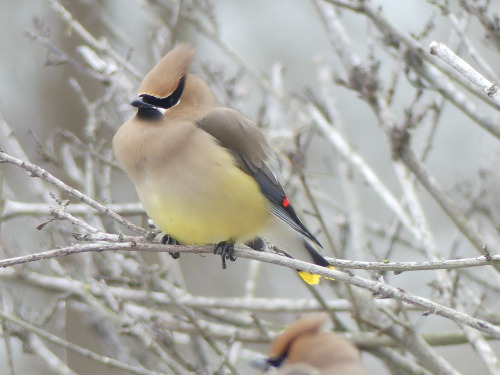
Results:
x,y
73,347
442,51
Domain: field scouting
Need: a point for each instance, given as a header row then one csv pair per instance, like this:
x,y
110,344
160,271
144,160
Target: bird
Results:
x,y
204,173
302,349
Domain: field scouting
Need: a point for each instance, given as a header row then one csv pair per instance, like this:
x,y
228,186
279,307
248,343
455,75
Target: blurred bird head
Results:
x,y
303,349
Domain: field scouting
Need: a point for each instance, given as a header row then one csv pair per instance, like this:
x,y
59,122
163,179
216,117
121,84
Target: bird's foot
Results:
x,y
226,251
257,244
169,240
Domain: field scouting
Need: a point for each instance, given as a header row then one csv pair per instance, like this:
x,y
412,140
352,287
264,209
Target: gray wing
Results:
x,y
253,155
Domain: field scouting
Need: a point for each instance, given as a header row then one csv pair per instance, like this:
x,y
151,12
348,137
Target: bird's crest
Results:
x,y
164,78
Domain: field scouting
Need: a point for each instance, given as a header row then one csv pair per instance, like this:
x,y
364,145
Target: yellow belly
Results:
x,y
222,204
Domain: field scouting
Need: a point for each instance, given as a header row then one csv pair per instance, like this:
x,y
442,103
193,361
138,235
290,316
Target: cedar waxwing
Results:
x,y
204,173
304,350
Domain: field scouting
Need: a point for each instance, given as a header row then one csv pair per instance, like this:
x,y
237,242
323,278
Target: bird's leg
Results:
x,y
169,240
226,251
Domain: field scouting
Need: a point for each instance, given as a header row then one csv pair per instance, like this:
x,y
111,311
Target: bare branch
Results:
x,y
36,171
56,363
447,55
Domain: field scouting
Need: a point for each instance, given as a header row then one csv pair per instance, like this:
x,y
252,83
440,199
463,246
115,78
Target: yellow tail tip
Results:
x,y
310,278
313,279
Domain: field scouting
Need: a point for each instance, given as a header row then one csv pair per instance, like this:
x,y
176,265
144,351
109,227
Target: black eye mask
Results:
x,y
167,102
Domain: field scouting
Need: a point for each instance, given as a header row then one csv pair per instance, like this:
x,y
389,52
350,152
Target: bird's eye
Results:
x,y
168,101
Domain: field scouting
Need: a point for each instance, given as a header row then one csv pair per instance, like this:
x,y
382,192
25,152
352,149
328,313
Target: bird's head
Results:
x,y
165,85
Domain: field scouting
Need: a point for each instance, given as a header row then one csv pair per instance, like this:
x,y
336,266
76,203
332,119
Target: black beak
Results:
x,y
261,364
139,103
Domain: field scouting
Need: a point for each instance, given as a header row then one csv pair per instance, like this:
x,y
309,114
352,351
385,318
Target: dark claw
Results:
x,y
169,240
226,251
175,254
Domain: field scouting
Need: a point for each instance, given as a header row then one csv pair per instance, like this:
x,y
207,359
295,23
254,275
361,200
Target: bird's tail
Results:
x,y
295,245
311,278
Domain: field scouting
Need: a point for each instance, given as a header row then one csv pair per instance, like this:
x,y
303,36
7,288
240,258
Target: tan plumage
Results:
x,y
304,350
204,173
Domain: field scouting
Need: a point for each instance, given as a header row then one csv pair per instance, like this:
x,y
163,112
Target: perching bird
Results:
x,y
303,350
204,173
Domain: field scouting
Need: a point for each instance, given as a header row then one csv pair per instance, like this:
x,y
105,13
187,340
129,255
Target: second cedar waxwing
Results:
x,y
303,349
204,173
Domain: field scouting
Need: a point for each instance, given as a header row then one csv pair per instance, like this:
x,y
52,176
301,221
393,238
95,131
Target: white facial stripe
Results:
x,y
163,110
